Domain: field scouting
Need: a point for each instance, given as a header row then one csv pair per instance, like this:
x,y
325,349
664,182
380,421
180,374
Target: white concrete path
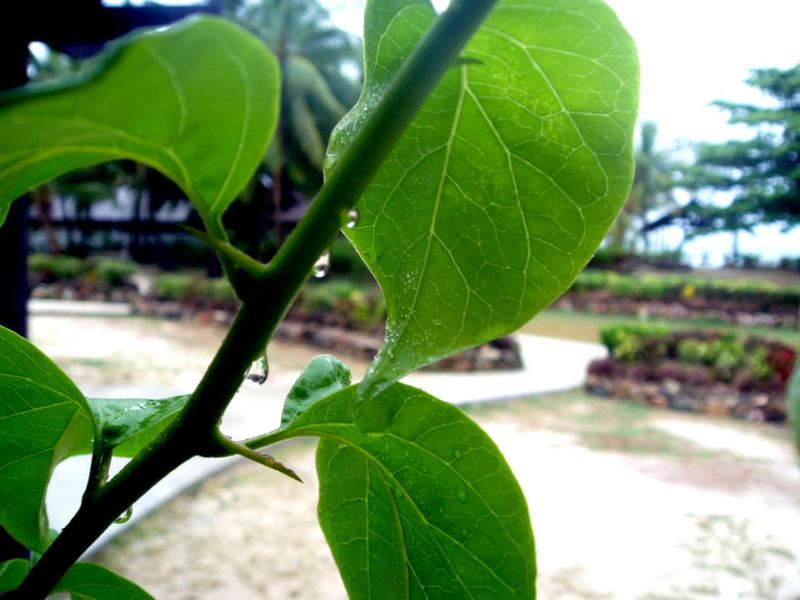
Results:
x,y
549,365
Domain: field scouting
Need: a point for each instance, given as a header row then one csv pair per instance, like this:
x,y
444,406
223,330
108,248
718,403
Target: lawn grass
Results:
x,y
585,327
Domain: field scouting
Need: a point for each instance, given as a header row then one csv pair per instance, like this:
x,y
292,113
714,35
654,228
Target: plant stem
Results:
x,y
193,432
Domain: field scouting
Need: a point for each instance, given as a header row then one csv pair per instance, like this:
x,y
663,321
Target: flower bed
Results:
x,y
706,372
684,296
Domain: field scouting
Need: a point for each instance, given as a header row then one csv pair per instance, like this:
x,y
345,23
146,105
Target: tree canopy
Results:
x,y
763,172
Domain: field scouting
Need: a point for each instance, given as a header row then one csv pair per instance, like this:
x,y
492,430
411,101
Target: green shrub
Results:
x,y
627,342
114,271
670,288
346,261
55,267
174,287
353,303
217,289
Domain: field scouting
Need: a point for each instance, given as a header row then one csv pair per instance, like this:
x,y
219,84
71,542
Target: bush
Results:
x,y
699,357
671,288
351,303
217,290
346,261
631,342
55,267
174,287
114,272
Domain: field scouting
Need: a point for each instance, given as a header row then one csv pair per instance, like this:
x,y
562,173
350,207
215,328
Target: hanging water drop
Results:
x,y
323,265
259,371
124,517
352,218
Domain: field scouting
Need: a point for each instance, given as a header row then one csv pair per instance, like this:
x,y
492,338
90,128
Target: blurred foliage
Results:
x,y
114,272
647,286
655,178
762,173
750,363
193,288
321,69
49,268
353,304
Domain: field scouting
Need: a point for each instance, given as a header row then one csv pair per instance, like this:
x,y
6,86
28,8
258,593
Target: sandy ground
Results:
x,y
627,503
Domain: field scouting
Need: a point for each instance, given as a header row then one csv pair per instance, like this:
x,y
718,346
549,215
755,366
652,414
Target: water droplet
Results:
x,y
464,533
124,517
457,454
259,371
323,265
352,218
462,495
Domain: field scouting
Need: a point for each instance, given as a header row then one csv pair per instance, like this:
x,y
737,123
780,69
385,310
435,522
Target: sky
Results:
x,y
693,52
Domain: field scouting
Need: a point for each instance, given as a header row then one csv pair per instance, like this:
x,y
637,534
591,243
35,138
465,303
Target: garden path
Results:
x,y
109,356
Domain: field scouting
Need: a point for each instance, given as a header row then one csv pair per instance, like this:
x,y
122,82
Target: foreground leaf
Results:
x,y
87,581
12,573
127,425
44,418
198,101
416,500
506,181
793,398
323,376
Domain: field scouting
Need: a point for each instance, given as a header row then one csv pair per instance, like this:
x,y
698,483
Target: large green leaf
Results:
x,y
87,581
198,101
43,419
12,573
323,376
416,501
506,181
127,425
793,399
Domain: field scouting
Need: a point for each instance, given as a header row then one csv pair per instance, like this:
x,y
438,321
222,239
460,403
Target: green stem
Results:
x,y
193,432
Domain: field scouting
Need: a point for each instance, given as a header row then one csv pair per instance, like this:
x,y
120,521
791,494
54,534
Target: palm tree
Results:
x,y
321,71
653,183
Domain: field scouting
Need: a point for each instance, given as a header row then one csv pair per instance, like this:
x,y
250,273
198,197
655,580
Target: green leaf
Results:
x,y
507,180
416,500
129,424
44,418
87,581
793,398
323,376
198,101
12,573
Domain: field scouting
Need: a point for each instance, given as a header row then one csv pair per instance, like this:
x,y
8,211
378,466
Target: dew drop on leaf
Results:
x,y
457,453
352,218
323,265
259,371
124,517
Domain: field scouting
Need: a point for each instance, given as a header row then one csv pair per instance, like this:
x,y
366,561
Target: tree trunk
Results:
x,y
43,199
